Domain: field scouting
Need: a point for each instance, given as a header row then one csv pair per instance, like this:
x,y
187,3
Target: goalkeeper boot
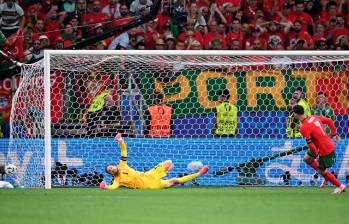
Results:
x,y
323,184
340,189
203,170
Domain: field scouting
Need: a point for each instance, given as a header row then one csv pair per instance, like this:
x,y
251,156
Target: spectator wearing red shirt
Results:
x,y
112,9
216,14
234,3
321,44
329,10
272,7
297,36
283,16
256,34
53,21
275,36
250,9
320,32
39,28
95,16
341,33
235,44
228,11
305,18
212,34
235,32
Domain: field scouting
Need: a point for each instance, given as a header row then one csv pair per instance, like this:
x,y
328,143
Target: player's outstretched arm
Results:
x,y
104,186
123,148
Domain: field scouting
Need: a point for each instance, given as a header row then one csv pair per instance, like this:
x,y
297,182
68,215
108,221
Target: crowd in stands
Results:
x,y
198,24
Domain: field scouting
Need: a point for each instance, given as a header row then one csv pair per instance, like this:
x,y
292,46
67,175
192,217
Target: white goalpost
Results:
x,y
59,140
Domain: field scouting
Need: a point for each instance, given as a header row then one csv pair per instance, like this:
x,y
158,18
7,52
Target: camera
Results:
x,y
176,11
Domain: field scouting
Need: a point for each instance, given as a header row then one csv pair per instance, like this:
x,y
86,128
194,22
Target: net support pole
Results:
x,y
47,120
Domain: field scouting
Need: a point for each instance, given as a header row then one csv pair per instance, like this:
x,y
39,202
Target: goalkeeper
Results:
x,y
125,176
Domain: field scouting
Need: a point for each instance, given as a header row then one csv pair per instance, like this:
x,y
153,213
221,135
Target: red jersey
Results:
x,y
313,131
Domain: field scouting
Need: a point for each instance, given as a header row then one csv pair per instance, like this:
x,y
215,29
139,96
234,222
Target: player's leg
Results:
x,y
327,162
310,159
161,169
174,181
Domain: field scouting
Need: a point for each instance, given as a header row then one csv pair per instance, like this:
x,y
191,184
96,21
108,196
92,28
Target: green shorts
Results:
x,y
324,161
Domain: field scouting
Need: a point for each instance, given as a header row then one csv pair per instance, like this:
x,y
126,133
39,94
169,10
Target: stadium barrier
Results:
x,y
86,156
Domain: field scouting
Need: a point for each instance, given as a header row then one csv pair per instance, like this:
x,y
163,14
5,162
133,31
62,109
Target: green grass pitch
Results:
x,y
233,205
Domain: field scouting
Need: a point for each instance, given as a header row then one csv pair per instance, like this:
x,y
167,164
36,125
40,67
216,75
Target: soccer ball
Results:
x,y
195,166
10,169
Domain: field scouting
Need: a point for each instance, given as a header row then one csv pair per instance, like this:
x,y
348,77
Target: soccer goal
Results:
x,y
69,106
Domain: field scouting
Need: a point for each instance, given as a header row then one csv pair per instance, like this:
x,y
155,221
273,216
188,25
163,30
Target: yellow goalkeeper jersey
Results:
x,y
134,179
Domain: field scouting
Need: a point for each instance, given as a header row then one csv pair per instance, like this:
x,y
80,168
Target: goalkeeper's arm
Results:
x,y
123,149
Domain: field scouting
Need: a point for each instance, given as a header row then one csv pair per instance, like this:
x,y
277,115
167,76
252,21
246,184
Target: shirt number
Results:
x,y
317,123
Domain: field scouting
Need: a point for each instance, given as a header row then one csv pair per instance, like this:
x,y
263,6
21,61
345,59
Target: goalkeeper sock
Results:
x,y
330,177
187,178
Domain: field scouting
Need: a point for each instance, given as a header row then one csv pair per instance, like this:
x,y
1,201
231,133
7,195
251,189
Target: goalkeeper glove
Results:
x,y
103,185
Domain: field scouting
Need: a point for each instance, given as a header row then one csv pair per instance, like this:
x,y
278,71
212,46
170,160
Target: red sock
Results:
x,y
314,164
330,177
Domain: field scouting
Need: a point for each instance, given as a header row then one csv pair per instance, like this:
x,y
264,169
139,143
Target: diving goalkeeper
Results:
x,y
125,176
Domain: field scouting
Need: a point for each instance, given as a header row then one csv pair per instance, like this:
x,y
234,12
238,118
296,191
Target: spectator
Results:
x,y
37,52
320,32
68,33
275,37
216,15
323,109
321,44
137,6
170,42
235,32
180,45
298,38
235,45
195,15
256,41
340,33
298,98
124,12
12,17
59,43
213,34
95,16
44,41
101,109
225,122
112,9
194,45
159,117
305,18
160,44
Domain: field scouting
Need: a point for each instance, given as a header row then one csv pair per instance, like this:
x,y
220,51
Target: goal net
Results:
x,y
229,110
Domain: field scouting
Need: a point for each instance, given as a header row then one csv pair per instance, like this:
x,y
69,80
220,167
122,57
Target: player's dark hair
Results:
x,y
299,89
321,93
298,110
158,97
225,93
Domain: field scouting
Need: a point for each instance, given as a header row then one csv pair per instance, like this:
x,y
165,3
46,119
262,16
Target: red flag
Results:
x,y
15,43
